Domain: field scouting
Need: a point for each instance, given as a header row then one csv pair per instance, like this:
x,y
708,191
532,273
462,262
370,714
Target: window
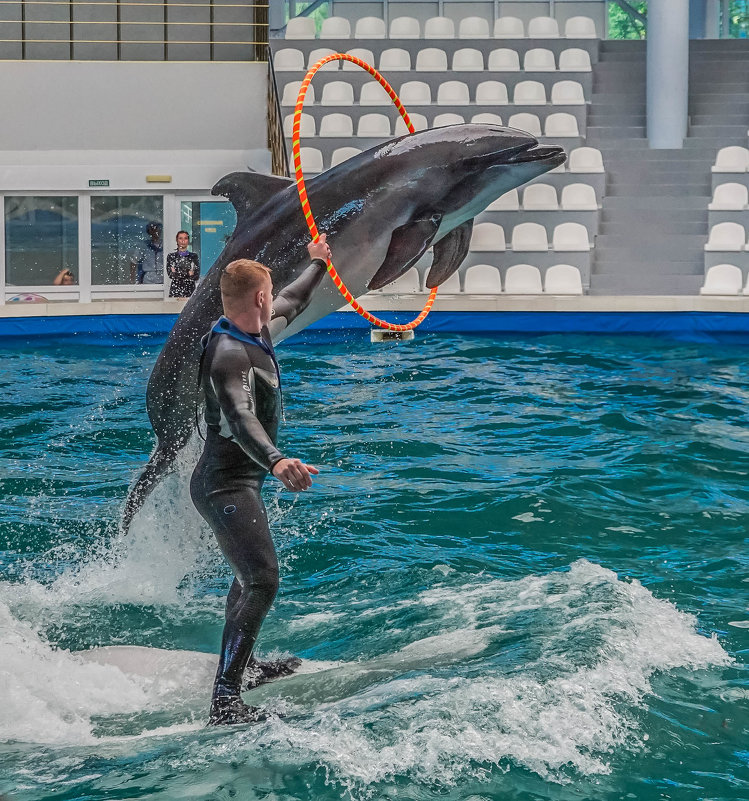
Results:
x,y
41,239
127,240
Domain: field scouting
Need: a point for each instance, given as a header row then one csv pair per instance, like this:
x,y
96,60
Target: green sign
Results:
x,y
98,182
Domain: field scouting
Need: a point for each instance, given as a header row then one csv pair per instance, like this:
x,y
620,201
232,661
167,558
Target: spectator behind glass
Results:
x,y
64,278
183,267
147,262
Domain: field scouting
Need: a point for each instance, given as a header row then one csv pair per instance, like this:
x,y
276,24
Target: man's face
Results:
x,y
267,307
182,241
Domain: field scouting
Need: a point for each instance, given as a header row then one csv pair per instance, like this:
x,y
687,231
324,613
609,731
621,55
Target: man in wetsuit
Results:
x,y
241,383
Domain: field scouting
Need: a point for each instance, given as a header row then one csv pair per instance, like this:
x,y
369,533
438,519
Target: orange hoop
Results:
x,y
302,189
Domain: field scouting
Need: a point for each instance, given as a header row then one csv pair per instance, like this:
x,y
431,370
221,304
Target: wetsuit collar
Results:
x,y
225,326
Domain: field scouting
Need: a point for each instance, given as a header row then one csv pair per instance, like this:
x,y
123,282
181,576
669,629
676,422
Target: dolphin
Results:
x,y
381,209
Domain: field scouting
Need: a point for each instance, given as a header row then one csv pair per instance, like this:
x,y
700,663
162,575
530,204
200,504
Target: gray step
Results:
x,y
717,131
662,190
653,285
648,204
618,228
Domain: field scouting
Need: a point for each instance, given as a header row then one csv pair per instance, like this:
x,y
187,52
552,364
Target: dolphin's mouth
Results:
x,y
535,152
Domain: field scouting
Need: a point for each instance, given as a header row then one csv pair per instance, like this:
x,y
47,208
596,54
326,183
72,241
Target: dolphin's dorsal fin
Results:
x,y
247,191
449,253
407,245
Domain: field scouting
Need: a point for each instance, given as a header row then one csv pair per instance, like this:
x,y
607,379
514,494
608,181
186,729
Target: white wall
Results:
x,y
58,105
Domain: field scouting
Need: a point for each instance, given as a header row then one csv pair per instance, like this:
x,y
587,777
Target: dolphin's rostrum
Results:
x,y
381,209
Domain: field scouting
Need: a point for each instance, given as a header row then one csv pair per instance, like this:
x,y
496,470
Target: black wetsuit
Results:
x,y
241,385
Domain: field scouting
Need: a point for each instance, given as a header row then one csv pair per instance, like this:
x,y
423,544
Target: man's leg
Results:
x,y
240,524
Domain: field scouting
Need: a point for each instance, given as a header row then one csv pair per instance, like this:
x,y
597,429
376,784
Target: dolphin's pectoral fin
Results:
x,y
249,190
407,245
449,253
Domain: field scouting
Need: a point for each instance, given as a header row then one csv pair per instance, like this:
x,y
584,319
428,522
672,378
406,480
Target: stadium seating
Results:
x,y
726,236
579,197
395,59
300,28
529,236
730,197
580,28
574,60
567,93
468,59
372,94
561,124
312,161
503,60
487,118
439,28
473,28
337,125
419,122
335,28
405,28
523,279
570,236
487,237
526,122
373,125
291,90
539,59
335,93
431,59
306,125
732,159
509,28
563,279
447,119
364,54
482,279
543,28
529,93
319,53
370,28
507,202
586,160
343,154
722,279
540,197
491,93
289,59
408,283
415,93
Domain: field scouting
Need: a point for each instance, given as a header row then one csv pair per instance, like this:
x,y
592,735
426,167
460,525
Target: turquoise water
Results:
x,y
522,574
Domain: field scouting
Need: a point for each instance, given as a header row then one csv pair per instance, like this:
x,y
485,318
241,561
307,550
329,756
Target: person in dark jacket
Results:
x,y
241,382
183,267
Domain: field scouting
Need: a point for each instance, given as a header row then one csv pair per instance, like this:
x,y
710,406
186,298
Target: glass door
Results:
x,y
209,223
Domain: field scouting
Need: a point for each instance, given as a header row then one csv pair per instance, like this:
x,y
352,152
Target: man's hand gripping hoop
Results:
x,y
302,189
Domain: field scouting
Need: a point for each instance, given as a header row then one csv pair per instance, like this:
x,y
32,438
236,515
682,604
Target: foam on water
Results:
x,y
563,710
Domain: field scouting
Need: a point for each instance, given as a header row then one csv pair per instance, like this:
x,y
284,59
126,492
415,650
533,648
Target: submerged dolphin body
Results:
x,y
381,210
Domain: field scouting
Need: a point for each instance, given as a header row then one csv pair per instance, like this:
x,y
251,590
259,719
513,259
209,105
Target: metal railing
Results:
x,y
133,30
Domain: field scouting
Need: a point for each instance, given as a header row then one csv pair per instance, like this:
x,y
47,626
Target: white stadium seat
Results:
x,y
523,279
336,125
447,119
529,93
543,28
419,122
364,54
431,59
372,94
487,118
341,154
468,59
337,93
526,122
730,197
439,28
473,28
567,93
579,197
732,159
373,125
306,127
503,60
726,236
491,93
487,237
415,93
405,28
453,93
451,285
586,159
335,28
370,28
507,202
539,59
311,159
291,91
483,279
395,59
300,28
529,236
573,59
570,237
580,28
563,279
319,53
408,283
509,28
540,197
722,279
288,60
561,124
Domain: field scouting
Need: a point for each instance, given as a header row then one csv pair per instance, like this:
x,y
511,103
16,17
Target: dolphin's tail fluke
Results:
x,y
159,465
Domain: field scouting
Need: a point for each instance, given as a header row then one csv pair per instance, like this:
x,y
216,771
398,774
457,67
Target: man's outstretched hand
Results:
x,y
320,249
294,474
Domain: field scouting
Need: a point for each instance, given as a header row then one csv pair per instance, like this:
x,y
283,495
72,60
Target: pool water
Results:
x,y
522,574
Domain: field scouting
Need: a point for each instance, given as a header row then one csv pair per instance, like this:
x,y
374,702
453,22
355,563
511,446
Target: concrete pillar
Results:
x,y
668,72
726,18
